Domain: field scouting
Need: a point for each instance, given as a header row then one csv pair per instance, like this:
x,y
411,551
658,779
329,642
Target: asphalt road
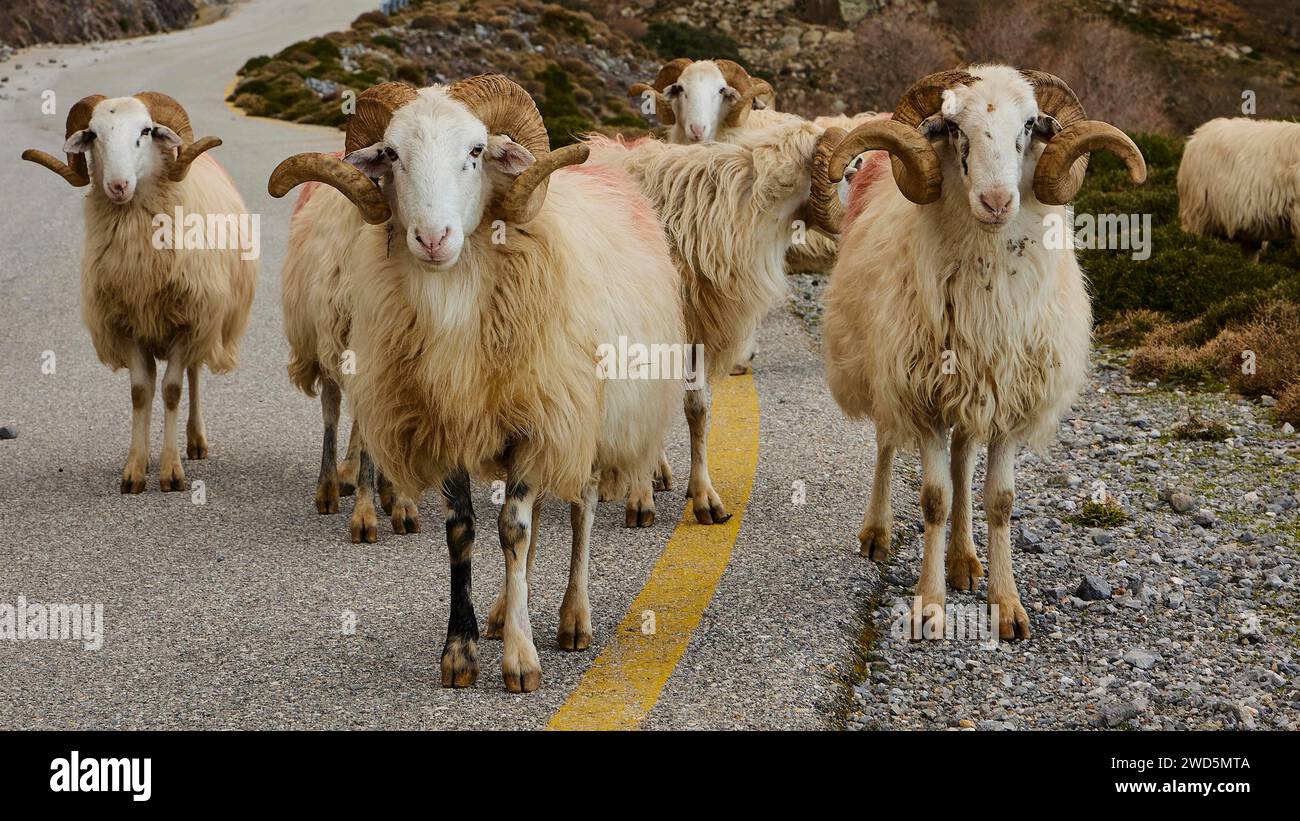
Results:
x,y
232,613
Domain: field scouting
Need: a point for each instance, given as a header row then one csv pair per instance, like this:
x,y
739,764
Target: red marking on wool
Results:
x,y
875,166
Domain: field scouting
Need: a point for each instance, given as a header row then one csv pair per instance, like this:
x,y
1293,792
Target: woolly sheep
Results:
x,y
490,285
947,309
145,297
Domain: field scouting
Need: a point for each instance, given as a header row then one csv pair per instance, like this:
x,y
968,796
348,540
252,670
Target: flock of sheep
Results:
x,y
453,277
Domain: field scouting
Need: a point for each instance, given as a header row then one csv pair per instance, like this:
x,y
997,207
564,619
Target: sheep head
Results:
x,y
115,128
705,96
996,121
438,160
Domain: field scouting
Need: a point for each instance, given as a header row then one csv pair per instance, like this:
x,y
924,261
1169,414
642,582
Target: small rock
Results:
x,y
1181,502
966,723
1093,588
1099,537
9,432
1141,659
1204,517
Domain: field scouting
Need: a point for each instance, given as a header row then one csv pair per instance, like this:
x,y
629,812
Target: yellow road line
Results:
x,y
623,684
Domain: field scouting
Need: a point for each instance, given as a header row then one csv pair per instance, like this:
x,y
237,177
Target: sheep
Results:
x,y
703,101
1240,180
728,210
317,321
947,309
145,297
487,286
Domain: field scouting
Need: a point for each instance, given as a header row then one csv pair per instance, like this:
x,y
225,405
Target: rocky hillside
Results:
x,y
28,22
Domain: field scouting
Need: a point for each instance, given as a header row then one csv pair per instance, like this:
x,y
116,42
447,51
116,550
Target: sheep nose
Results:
x,y
697,132
118,188
996,202
433,242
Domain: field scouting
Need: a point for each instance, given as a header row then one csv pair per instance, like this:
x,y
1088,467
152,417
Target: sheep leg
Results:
x,y
873,538
327,485
1251,249
663,478
640,509
143,376
704,499
171,476
999,497
347,469
936,496
460,652
575,611
519,664
745,362
364,526
496,620
196,435
964,570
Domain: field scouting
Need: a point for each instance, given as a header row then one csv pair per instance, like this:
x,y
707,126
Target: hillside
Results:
x,y
28,22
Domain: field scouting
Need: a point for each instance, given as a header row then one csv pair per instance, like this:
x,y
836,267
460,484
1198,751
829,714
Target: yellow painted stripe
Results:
x,y
624,682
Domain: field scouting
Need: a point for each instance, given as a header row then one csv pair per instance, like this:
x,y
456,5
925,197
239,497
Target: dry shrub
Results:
x,y
1111,70
1130,328
1170,364
889,52
1288,405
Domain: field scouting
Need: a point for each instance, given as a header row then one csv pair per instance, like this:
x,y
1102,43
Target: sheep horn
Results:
x,y
667,75
1054,184
74,171
916,165
1064,161
333,171
663,105
824,209
165,110
749,88
505,108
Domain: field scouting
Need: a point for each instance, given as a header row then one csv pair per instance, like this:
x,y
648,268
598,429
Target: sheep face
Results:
x,y
701,99
993,133
439,168
128,149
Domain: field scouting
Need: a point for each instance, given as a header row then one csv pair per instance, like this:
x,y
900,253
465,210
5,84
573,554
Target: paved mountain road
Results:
x,y
231,613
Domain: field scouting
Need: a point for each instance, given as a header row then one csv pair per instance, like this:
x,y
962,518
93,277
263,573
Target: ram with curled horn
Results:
x,y
152,287
957,313
476,280
700,100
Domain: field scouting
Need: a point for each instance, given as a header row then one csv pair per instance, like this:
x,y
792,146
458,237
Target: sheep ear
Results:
x,y
1046,127
373,160
508,156
933,127
731,94
79,142
164,135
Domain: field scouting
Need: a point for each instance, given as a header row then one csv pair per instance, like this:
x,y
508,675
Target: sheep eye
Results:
x,y
476,151
1029,124
147,132
390,154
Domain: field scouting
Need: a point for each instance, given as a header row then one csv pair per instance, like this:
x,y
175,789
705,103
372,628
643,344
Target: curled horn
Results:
x,y
505,108
375,107
750,88
916,165
1064,161
824,209
666,77
167,111
74,170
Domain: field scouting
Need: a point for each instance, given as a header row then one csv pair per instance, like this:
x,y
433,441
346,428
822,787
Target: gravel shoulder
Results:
x,y
1173,619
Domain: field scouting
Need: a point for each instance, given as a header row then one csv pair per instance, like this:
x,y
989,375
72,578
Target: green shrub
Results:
x,y
254,64
387,41
673,40
1099,514
564,118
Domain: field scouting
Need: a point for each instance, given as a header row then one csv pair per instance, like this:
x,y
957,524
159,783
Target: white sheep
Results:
x,y
489,286
1240,180
717,100
316,300
728,209
145,296
947,309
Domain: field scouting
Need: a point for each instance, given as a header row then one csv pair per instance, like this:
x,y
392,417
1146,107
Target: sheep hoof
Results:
x,y
1013,621
964,570
521,670
172,478
133,484
196,448
459,662
406,518
608,494
662,482
364,526
873,543
741,368
574,632
327,498
639,516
